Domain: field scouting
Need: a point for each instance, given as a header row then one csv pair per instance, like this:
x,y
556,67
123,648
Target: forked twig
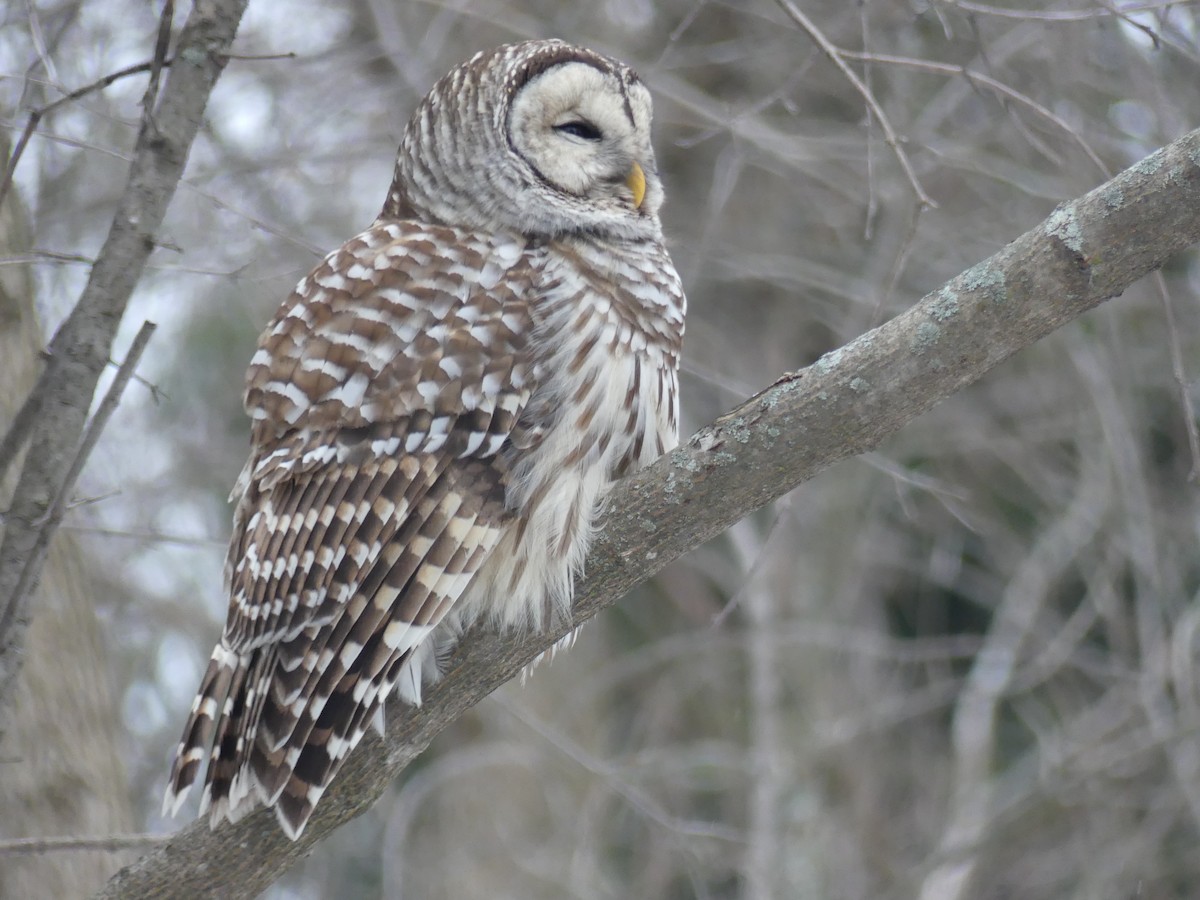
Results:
x,y
838,58
153,66
47,523
37,115
988,81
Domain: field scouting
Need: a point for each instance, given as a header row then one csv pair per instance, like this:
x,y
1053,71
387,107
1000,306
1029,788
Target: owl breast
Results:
x,y
609,325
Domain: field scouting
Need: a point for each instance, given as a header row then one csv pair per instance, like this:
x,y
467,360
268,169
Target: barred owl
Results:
x,y
437,410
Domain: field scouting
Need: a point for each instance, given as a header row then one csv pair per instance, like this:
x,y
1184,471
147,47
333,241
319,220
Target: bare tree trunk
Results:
x,y
61,772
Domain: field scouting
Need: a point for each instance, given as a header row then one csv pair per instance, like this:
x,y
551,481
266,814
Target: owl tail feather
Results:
x,y
244,771
210,711
296,774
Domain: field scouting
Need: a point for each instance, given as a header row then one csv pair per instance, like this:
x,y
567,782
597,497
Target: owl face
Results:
x,y
542,138
585,134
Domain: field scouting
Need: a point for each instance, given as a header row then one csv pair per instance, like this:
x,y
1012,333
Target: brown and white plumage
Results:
x,y
437,411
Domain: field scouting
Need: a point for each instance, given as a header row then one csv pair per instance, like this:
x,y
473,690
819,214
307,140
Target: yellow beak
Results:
x,y
636,179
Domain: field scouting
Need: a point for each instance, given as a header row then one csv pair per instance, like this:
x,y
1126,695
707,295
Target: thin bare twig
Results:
x,y
156,537
40,45
637,797
21,428
153,66
36,256
973,731
1185,398
1067,15
159,61
48,522
764,696
37,115
898,266
987,81
103,413
111,844
838,57
864,20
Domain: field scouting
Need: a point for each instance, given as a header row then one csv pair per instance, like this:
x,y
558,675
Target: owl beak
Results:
x,y
636,179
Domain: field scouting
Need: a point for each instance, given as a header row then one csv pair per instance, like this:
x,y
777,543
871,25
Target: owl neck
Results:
x,y
398,206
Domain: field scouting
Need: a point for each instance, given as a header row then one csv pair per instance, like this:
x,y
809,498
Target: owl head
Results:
x,y
541,138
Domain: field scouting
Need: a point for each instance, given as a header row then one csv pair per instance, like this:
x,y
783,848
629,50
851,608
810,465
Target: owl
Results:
x,y
437,411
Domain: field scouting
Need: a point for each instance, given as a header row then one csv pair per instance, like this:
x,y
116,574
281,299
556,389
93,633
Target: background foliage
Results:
x,y
971,653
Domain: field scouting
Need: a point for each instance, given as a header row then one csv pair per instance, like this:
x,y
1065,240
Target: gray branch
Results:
x,y
53,419
45,527
1086,252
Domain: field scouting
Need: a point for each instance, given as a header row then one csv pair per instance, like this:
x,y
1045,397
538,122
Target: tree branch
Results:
x,y
838,58
114,843
48,524
1087,251
83,345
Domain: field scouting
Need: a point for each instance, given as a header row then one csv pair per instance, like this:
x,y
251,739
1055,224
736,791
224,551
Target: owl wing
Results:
x,y
382,394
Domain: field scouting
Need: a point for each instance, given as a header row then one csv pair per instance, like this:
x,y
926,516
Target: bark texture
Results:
x,y
83,345
61,768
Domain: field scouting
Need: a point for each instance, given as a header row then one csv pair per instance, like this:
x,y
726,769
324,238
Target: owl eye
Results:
x,y
580,129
